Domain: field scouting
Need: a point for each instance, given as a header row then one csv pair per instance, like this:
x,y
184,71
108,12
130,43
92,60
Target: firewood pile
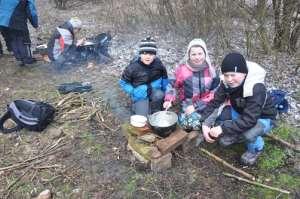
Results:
x,y
75,107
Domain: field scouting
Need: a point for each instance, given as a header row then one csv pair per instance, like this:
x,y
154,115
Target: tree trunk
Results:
x,y
261,18
276,8
283,15
296,30
168,6
294,38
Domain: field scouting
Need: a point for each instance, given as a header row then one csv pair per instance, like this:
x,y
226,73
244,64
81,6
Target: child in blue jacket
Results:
x,y
145,80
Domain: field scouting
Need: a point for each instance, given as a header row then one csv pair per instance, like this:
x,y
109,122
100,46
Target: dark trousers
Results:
x,y
252,137
7,38
1,48
20,44
150,105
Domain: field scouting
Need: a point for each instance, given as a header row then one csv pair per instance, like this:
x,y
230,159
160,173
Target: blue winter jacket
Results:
x,y
139,79
15,13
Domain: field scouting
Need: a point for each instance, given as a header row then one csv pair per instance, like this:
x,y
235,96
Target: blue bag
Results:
x,y
279,100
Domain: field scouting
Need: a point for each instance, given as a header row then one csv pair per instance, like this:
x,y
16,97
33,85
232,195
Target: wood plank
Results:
x,y
162,163
171,142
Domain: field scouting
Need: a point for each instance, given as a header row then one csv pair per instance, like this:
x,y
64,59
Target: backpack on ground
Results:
x,y
29,114
279,100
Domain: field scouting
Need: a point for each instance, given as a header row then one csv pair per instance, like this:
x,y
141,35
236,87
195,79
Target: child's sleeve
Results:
x,y
125,81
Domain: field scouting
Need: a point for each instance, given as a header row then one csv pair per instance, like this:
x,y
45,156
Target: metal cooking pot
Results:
x,y
163,122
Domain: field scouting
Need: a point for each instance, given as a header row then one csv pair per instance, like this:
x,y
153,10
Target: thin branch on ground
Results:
x,y
147,190
256,183
283,142
247,175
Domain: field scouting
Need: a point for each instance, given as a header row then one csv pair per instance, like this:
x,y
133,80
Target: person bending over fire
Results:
x,y
63,41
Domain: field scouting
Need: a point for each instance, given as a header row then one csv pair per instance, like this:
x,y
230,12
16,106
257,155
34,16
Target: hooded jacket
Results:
x,y
138,79
191,85
250,100
15,13
61,40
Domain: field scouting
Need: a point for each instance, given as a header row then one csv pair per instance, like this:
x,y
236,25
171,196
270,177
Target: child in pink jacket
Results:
x,y
194,84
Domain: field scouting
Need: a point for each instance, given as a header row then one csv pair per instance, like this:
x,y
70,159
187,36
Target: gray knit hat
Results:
x,y
148,45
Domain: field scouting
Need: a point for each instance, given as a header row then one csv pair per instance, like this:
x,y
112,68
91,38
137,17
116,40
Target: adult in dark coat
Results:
x,y
63,40
14,15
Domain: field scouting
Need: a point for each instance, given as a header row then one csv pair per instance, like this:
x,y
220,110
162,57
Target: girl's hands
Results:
x,y
167,105
189,110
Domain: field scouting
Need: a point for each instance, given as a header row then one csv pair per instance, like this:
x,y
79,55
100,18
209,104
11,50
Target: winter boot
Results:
x,y
249,158
28,55
254,149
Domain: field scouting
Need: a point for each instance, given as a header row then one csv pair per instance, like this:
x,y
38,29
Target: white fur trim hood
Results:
x,y
200,42
256,74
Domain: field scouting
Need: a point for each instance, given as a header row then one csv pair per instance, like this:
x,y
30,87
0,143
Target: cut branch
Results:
x,y
247,175
257,183
283,142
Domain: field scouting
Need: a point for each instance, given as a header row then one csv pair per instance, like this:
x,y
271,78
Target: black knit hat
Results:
x,y
148,45
234,62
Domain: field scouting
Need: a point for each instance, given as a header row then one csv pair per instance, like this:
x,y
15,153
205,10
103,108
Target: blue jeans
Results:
x,y
253,136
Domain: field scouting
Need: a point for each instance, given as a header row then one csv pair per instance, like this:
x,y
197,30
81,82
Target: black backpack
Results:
x,y
29,114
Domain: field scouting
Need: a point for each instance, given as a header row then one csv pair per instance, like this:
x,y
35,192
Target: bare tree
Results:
x,y
167,6
295,30
284,23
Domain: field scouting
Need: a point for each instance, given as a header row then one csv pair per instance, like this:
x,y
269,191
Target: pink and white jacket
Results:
x,y
190,86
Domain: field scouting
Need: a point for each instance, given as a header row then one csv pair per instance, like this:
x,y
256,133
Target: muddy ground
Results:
x,y
96,161
88,159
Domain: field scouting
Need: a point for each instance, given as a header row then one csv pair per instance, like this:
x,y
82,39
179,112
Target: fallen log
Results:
x,y
247,175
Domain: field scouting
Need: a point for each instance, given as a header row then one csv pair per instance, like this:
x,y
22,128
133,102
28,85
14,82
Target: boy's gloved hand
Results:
x,y
140,92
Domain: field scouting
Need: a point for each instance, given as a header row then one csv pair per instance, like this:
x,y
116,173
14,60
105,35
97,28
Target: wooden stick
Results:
x,y
247,175
148,190
283,142
256,183
49,148
105,125
48,166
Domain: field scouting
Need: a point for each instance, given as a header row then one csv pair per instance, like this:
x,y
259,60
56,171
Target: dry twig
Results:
x,y
50,151
147,190
247,175
256,183
283,142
